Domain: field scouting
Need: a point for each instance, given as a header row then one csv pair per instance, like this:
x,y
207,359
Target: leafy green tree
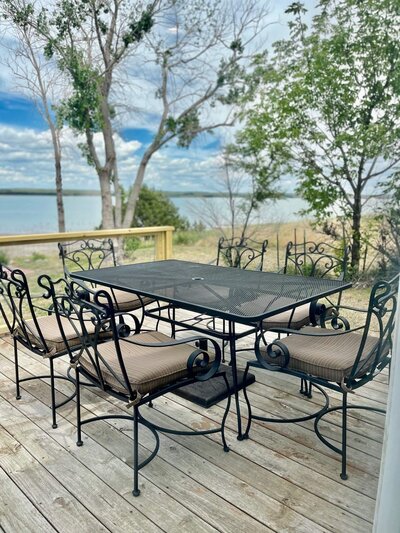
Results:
x,y
154,208
385,234
327,100
193,52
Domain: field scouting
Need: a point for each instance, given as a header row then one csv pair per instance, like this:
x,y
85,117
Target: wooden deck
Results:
x,y
282,479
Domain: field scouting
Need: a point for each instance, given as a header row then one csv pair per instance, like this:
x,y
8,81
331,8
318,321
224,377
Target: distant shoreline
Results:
x,y
82,192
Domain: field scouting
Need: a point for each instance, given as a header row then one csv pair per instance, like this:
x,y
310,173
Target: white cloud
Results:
x,y
26,159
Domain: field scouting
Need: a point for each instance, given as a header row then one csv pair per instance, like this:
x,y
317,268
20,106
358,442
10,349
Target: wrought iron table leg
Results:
x,y
232,345
18,390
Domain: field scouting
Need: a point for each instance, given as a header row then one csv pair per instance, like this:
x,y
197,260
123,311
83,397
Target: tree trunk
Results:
x,y
356,232
107,217
134,192
55,137
60,200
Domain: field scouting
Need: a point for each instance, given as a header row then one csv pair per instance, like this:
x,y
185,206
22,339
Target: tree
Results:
x,y
385,235
193,52
154,208
37,79
328,100
248,179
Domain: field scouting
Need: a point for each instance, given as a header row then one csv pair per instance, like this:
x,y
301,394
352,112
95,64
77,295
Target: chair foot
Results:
x,y
226,448
241,437
79,443
18,397
245,436
344,476
136,492
54,426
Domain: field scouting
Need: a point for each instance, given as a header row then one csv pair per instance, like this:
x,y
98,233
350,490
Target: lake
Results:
x,y
38,214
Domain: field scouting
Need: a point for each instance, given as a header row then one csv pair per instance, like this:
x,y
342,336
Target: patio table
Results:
x,y
235,295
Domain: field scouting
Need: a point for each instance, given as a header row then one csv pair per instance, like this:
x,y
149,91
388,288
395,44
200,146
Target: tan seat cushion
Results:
x,y
148,368
330,357
52,335
125,301
289,319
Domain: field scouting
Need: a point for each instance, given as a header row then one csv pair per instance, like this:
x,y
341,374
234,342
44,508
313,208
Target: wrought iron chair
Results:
x,y
241,253
35,327
315,260
94,253
132,366
339,359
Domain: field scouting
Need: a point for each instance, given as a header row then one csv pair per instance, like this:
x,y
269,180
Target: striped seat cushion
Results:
x,y
148,368
289,319
328,357
125,301
48,325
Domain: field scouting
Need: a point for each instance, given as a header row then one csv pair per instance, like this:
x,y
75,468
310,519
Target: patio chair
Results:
x,y
241,252
132,366
35,327
92,254
312,259
339,359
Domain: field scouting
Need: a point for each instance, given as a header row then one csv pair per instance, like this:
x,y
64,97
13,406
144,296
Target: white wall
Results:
x,y
387,512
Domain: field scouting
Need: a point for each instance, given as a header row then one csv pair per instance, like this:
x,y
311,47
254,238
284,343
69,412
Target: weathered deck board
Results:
x,y
282,479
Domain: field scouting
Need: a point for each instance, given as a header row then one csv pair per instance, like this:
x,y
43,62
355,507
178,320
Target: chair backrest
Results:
x,y
19,312
241,253
380,322
87,254
91,315
316,260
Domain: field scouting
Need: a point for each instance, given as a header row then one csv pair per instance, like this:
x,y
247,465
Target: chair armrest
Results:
x,y
319,332
198,359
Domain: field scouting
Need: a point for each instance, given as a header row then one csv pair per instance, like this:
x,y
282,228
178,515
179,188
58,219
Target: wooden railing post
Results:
x,y
168,243
159,246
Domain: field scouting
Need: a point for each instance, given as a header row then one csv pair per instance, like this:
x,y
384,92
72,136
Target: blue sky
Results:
x,y
26,150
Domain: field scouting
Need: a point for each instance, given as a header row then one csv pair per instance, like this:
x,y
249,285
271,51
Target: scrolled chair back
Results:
x,y
316,260
87,254
19,312
380,323
241,253
91,315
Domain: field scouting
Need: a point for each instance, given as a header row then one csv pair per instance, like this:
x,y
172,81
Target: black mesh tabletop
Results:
x,y
240,295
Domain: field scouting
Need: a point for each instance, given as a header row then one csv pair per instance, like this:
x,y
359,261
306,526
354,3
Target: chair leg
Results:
x,y
18,391
79,441
53,394
343,474
136,490
249,414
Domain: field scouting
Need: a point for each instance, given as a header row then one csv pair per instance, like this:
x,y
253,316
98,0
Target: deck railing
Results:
x,y
162,237
162,240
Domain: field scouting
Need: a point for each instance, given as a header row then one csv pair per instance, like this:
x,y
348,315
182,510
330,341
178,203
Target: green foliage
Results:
x,y
37,256
3,258
186,237
154,208
131,244
327,101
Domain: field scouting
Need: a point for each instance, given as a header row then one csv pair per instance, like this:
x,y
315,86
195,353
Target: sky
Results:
x,y
26,158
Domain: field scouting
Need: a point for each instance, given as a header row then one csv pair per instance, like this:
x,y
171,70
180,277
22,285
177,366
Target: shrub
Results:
x,y
3,258
37,256
131,244
186,238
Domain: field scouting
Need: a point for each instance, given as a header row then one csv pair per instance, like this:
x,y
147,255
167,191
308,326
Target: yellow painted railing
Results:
x,y
162,236
162,240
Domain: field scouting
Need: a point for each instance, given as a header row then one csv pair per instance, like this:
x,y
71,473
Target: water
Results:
x,y
38,214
